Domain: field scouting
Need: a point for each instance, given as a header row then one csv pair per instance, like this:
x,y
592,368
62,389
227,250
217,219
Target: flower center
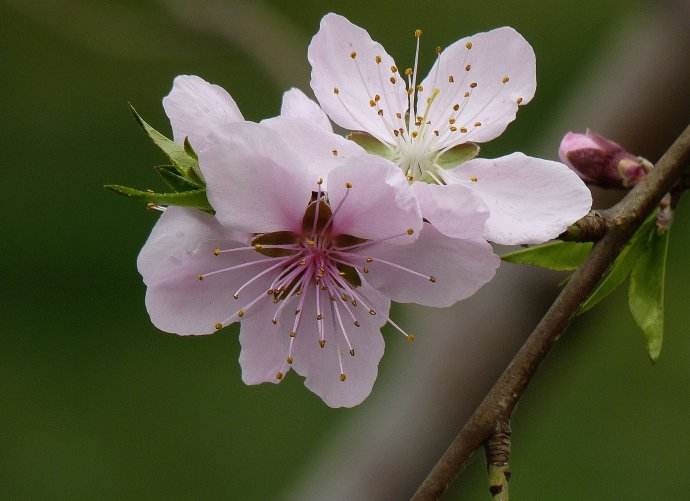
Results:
x,y
317,263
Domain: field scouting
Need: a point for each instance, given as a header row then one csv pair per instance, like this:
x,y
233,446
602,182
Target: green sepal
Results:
x,y
622,266
557,255
192,198
371,144
174,181
457,155
646,292
185,164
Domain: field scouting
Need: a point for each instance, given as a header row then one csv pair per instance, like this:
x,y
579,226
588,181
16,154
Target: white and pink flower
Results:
x,y
311,240
428,128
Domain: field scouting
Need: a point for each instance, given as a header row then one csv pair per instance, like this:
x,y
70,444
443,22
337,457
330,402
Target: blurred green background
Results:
x,y
99,405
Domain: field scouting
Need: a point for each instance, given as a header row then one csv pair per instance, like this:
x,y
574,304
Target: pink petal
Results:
x,y
349,70
498,71
530,200
298,106
180,247
320,366
454,210
196,107
317,150
459,268
379,204
255,181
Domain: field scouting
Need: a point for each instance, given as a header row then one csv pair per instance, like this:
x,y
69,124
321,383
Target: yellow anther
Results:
x,y
319,317
394,69
218,326
477,124
353,54
410,178
468,45
309,242
372,312
377,59
451,79
275,322
420,88
519,100
414,134
335,154
409,231
290,360
398,115
467,94
348,185
292,333
336,90
240,313
506,79
468,67
343,376
377,98
279,376
451,121
370,259
463,130
356,322
200,277
372,103
352,352
473,85
258,246
380,113
456,107
393,80
320,181
432,279
417,33
322,343
216,251
438,49
453,128
408,72
435,132
474,179
410,338
236,295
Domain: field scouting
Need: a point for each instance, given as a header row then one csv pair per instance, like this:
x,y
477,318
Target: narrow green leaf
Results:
x,y
371,144
193,198
457,155
176,182
556,255
183,162
621,267
646,293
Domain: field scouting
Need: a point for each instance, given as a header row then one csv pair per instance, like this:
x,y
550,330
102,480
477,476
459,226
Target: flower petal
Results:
x,y
297,105
458,268
530,200
321,367
486,76
317,150
349,71
454,210
180,247
254,180
379,204
196,107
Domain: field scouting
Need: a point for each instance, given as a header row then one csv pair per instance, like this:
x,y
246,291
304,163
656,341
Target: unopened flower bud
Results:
x,y
600,161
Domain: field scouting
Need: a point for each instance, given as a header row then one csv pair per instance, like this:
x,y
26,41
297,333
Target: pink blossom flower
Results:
x,y
600,161
470,96
311,240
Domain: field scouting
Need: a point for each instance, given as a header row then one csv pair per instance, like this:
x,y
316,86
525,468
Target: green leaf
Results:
x,y
174,180
371,144
556,255
457,155
646,293
193,198
621,267
185,164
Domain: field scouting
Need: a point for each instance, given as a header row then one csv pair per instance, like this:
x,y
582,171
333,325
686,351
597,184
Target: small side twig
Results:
x,y
622,222
497,450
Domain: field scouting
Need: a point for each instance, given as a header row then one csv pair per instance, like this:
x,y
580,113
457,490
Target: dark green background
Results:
x,y
99,405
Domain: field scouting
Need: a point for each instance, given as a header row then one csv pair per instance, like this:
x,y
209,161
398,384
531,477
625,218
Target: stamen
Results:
x,y
343,376
243,265
236,295
409,337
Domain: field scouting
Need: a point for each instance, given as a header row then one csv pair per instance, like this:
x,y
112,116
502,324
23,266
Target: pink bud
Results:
x,y
602,162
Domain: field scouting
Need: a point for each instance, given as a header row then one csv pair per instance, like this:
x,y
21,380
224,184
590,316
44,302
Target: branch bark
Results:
x,y
622,221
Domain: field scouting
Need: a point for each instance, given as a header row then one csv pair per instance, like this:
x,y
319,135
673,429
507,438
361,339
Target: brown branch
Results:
x,y
622,221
